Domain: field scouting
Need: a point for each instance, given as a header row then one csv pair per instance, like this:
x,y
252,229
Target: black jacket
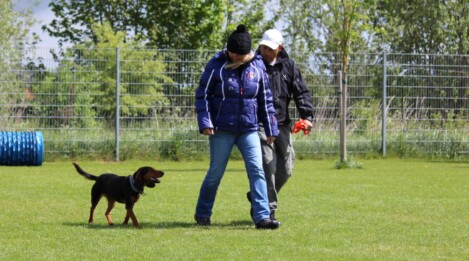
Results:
x,y
286,84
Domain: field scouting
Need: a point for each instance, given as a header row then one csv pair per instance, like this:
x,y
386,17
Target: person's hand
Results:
x,y
208,131
270,140
308,125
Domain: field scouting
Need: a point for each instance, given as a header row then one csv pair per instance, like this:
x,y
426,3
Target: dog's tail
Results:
x,y
84,173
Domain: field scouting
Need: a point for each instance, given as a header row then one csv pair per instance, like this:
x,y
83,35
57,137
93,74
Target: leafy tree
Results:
x,y
84,84
75,18
15,25
424,26
329,30
141,87
458,13
428,27
325,26
66,96
176,24
14,28
184,24
251,13
413,26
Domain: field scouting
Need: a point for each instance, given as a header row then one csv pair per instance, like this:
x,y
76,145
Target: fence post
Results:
x,y
343,117
383,109
117,101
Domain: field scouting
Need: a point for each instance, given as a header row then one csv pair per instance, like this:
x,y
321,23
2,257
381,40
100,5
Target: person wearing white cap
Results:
x,y
286,83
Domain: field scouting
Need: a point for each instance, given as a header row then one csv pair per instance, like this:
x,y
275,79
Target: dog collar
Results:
x,y
132,182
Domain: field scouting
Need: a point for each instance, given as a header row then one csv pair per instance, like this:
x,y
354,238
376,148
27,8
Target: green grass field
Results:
x,y
388,210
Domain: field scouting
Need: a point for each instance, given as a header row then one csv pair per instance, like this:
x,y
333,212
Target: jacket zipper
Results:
x,y
241,92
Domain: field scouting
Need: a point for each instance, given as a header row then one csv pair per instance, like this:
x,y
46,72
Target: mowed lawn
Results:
x,y
390,209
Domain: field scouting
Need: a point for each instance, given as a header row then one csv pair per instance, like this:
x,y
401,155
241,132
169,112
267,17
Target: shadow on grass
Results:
x,y
236,225
457,164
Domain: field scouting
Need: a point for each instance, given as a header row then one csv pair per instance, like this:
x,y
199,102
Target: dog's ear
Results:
x,y
143,177
141,172
137,174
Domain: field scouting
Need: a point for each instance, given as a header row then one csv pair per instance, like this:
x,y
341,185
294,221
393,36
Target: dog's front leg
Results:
x,y
131,215
129,206
126,219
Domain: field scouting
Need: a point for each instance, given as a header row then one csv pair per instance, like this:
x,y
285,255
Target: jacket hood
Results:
x,y
221,55
283,54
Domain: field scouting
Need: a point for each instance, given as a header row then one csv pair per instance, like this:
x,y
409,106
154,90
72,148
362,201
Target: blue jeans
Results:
x,y
221,145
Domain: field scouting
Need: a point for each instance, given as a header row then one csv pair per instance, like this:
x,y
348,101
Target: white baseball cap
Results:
x,y
272,38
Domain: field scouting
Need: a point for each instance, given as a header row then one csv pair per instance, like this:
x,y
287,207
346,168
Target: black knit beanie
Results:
x,y
240,41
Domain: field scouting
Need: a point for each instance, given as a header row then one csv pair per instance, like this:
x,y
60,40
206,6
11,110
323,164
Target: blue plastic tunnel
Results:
x,y
21,148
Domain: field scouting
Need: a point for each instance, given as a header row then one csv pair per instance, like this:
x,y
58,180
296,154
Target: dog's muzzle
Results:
x,y
152,182
155,180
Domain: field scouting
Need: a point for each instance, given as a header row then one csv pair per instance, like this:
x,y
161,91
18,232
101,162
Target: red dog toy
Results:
x,y
300,125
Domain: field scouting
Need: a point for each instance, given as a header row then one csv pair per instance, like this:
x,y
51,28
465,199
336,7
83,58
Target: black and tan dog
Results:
x,y
121,189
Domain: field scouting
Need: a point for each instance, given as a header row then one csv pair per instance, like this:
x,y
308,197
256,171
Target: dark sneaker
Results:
x,y
202,221
268,224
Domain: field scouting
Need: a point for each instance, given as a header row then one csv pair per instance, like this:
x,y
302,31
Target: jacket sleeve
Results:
x,y
266,106
204,97
301,95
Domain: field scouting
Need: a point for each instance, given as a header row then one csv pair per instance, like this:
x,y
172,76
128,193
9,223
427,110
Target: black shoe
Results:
x,y
201,221
268,224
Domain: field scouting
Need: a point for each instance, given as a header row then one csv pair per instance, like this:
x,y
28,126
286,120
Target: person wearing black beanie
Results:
x,y
232,99
239,47
239,41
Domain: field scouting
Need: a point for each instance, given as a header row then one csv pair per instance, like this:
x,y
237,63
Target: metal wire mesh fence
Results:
x,y
428,103
139,103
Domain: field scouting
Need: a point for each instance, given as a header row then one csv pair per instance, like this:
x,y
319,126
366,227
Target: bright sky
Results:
x,y
44,15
